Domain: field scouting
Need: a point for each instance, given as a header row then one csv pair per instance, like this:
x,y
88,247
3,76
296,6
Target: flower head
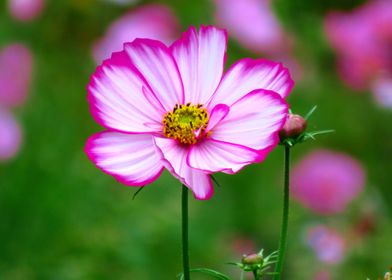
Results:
x,y
15,74
241,17
328,244
362,39
10,135
25,10
150,21
255,26
173,107
326,181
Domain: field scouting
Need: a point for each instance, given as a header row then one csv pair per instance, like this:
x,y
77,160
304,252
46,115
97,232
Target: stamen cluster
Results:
x,y
186,123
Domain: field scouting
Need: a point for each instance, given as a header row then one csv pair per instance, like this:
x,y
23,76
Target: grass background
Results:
x,y
61,218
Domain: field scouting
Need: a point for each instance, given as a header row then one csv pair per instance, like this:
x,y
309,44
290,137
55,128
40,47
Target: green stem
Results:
x,y
285,218
255,275
185,250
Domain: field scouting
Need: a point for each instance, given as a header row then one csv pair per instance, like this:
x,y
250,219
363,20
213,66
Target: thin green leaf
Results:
x,y
310,112
272,273
309,135
314,133
235,263
215,181
211,272
137,192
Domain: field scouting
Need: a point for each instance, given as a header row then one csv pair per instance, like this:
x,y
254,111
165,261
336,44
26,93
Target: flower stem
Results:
x,y
255,275
285,218
185,250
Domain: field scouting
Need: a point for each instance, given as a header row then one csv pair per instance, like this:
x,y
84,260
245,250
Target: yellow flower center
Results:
x,y
186,123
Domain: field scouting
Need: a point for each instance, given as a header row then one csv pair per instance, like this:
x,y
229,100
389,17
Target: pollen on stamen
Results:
x,y
186,123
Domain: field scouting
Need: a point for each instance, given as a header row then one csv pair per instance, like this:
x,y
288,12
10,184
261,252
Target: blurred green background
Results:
x,y
62,218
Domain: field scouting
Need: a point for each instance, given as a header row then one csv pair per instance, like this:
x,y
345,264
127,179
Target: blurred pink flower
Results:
x,y
151,21
363,42
15,74
328,244
25,10
382,90
322,275
10,136
173,107
254,25
326,181
243,245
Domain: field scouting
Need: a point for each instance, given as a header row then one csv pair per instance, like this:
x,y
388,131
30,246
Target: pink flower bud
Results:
x,y
294,126
252,259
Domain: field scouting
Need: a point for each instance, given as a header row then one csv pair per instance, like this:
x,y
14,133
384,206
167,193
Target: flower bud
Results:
x,y
294,126
252,259
388,276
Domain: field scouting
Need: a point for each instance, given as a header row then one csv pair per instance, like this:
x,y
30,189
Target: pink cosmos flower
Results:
x,y
173,107
326,181
329,245
25,10
150,21
10,135
254,25
363,41
15,74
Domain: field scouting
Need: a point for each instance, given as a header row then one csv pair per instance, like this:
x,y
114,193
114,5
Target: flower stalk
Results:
x,y
285,217
185,248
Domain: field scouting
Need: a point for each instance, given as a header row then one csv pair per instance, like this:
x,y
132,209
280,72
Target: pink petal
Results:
x,y
247,75
130,158
219,112
253,121
175,156
10,136
200,58
117,100
156,64
154,21
215,156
